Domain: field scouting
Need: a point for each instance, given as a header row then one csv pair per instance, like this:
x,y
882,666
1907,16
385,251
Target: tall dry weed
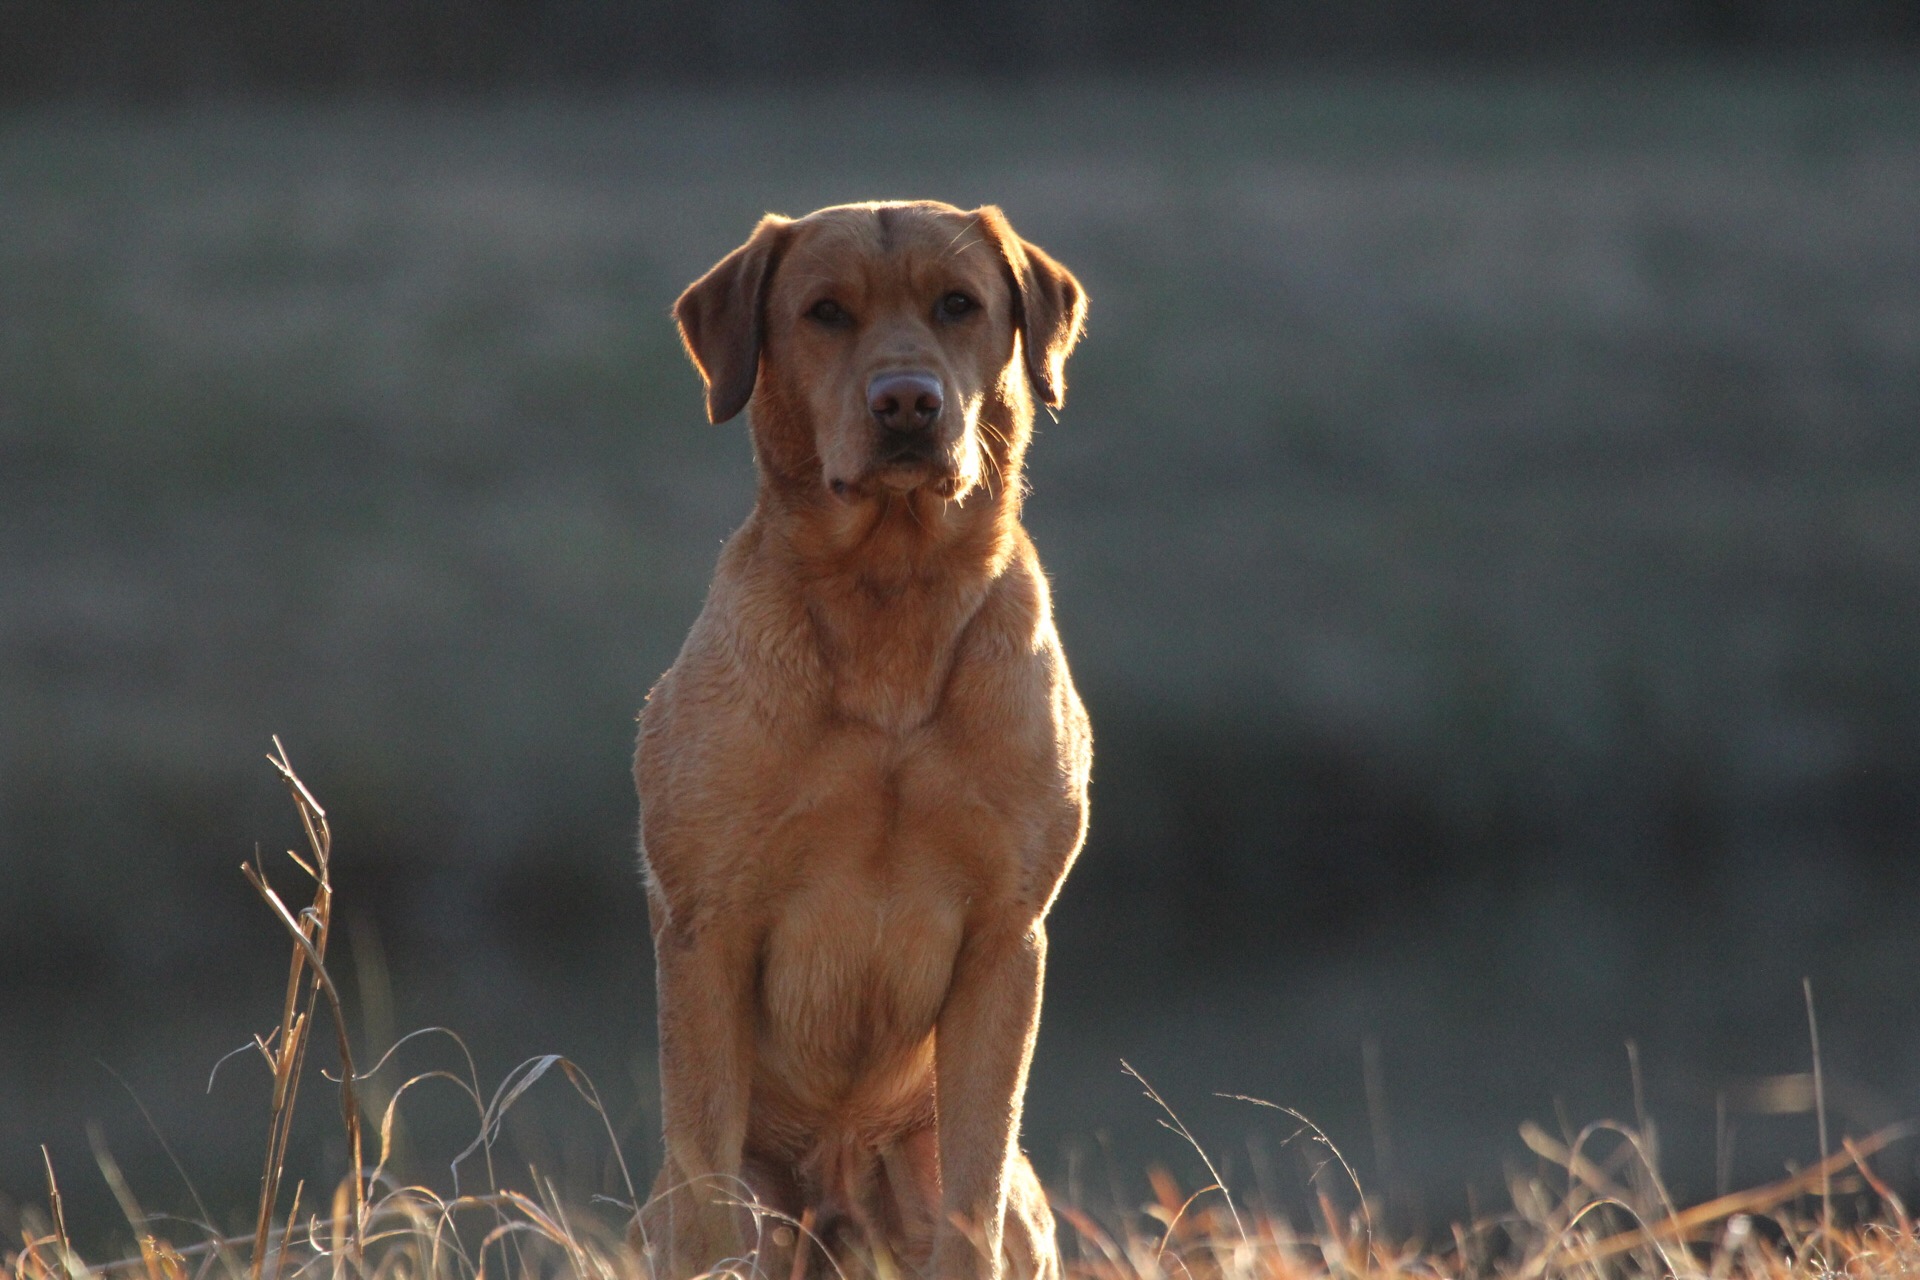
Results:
x,y
1603,1213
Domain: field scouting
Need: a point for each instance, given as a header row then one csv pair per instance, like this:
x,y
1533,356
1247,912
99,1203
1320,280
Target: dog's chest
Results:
x,y
878,863
853,974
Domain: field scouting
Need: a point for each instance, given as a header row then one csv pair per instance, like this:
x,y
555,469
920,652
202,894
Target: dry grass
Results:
x,y
1610,1215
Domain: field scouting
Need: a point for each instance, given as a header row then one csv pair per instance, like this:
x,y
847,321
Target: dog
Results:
x,y
865,776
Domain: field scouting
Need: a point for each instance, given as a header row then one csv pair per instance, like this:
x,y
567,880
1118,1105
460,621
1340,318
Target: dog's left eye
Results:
x,y
957,304
828,312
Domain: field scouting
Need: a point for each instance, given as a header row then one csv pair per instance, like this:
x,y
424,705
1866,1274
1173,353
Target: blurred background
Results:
x,y
1485,527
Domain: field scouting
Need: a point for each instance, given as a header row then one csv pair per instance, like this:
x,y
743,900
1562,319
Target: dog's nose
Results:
x,y
904,401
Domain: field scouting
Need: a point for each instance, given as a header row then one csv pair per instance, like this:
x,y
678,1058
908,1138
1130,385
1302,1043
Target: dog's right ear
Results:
x,y
722,317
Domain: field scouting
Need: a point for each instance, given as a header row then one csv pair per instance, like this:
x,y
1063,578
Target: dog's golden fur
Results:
x,y
865,777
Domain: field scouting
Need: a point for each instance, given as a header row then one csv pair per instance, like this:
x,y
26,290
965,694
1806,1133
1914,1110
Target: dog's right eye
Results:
x,y
827,311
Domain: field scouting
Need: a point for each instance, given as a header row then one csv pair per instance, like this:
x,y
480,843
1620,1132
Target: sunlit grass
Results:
x,y
1605,1211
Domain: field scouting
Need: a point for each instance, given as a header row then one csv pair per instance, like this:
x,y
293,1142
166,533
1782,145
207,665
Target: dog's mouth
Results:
x,y
902,468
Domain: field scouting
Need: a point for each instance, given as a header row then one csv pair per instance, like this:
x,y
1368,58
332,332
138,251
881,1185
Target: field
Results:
x,y
1599,1213
1483,526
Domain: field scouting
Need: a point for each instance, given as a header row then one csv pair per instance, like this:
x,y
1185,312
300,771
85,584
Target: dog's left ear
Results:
x,y
1049,307
722,317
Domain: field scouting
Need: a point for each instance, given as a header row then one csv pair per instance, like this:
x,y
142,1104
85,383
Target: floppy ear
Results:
x,y
1049,306
721,317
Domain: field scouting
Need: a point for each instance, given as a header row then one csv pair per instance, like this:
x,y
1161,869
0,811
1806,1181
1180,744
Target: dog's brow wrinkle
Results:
x,y
814,255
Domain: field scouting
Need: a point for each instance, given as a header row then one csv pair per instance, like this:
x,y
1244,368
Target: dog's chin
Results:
x,y
899,478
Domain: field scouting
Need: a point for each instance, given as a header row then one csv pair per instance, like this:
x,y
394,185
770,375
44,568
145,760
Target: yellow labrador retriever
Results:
x,y
865,777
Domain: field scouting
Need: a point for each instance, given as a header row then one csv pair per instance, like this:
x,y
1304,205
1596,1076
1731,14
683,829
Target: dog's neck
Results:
x,y
887,544
887,585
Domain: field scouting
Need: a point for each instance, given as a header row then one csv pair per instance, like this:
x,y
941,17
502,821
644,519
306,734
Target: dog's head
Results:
x,y
885,348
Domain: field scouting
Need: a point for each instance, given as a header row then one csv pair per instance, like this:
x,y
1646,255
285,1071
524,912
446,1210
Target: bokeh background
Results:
x,y
1485,527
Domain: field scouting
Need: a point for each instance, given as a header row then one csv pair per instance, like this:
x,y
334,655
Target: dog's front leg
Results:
x,y
694,1221
983,1045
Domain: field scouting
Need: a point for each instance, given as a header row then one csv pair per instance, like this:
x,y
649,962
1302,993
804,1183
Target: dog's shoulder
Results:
x,y
1011,687
752,637
1013,631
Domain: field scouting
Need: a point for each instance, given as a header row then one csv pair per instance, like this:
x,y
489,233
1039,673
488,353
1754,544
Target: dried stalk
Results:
x,y
286,1048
